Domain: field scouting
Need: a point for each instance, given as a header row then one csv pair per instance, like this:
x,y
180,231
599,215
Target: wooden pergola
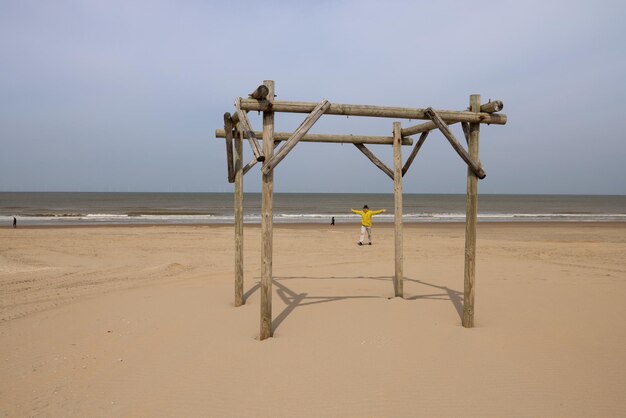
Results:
x,y
237,127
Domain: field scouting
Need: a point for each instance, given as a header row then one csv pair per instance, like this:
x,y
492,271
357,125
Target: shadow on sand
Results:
x,y
294,300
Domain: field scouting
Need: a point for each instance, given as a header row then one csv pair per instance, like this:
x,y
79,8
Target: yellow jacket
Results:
x,y
366,217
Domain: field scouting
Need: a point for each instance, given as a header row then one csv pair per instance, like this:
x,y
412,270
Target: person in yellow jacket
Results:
x,y
366,222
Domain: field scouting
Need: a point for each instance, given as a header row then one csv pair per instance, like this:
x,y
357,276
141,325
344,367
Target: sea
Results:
x,y
49,209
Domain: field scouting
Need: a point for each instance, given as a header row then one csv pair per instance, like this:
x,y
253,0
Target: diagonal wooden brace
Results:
x,y
421,128
307,124
414,152
375,160
247,130
248,166
441,125
466,133
228,128
253,161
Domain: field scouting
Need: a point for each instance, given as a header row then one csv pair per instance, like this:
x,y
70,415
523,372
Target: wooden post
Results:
x,y
471,220
239,219
398,278
228,129
266,219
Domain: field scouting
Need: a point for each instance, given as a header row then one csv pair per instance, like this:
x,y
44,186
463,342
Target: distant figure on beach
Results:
x,y
332,221
366,222
14,222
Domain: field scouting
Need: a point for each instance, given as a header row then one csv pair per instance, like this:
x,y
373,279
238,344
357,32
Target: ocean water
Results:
x,y
217,208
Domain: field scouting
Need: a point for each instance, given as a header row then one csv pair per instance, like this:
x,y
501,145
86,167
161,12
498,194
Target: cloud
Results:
x,y
126,95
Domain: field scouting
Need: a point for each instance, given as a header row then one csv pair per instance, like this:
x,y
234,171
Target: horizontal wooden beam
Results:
x,y
449,116
375,160
341,139
472,164
304,127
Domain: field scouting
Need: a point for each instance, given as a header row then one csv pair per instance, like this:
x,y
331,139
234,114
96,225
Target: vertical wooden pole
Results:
x,y
239,218
397,193
228,128
266,220
471,220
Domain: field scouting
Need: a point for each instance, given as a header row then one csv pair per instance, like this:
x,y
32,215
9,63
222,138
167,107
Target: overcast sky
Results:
x,y
126,95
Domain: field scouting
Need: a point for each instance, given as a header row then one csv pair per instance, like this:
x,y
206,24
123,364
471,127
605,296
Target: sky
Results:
x,y
126,95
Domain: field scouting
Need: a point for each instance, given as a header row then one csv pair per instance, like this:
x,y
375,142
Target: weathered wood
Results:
x,y
247,129
267,192
414,152
239,219
235,119
253,162
471,220
375,160
466,131
441,125
398,278
228,129
307,124
421,128
342,139
492,107
260,93
248,166
449,116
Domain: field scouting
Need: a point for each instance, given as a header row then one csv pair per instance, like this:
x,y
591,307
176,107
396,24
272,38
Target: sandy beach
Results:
x,y
139,321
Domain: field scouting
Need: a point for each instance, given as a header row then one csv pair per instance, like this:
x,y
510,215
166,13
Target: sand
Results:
x,y
139,321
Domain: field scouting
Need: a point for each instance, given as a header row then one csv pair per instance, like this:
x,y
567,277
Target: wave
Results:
x,y
181,218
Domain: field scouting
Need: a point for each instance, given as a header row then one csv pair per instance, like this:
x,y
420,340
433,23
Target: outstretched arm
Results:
x,y
358,212
376,212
